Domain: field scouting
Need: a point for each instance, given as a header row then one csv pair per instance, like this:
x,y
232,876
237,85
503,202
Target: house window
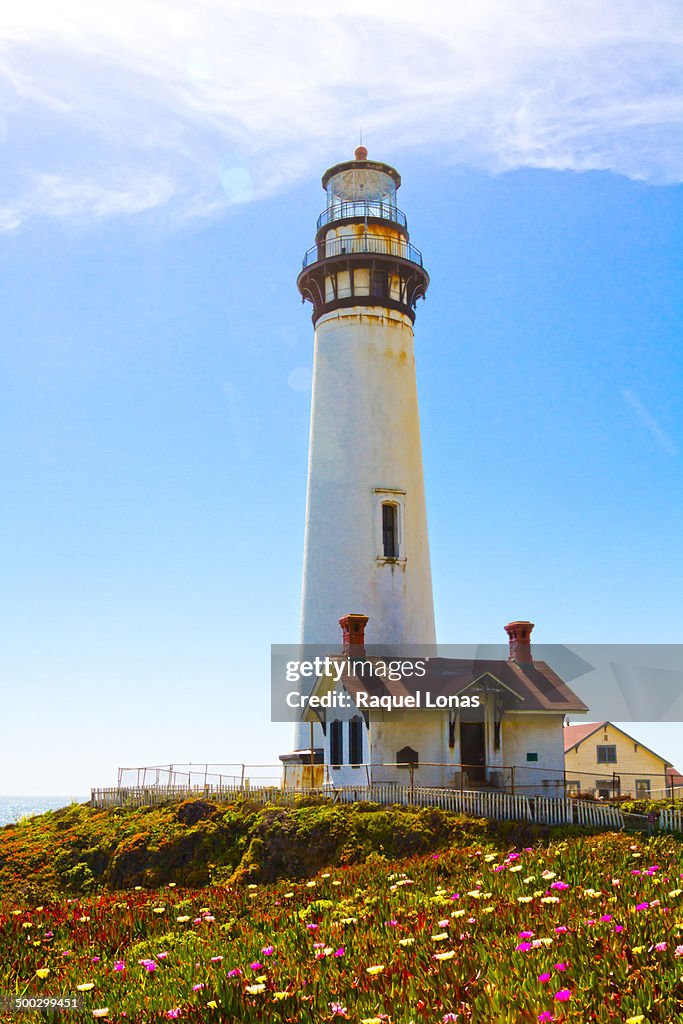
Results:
x,y
607,754
573,787
532,756
608,789
407,756
642,789
356,742
336,744
390,529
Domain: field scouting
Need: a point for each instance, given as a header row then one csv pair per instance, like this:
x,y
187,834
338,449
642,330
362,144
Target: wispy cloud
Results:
x,y
113,108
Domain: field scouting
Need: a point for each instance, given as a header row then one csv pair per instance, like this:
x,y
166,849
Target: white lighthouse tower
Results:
x,y
366,547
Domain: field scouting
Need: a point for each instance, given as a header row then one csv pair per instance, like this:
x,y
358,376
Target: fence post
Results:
x,y
512,780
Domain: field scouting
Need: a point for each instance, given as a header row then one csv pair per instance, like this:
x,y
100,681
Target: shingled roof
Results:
x,y
533,687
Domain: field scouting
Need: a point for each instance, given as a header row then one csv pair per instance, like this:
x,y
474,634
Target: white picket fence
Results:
x,y
671,820
598,815
474,803
553,811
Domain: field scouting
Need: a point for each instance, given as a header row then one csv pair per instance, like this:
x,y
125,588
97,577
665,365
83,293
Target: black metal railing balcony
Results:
x,y
342,211
380,245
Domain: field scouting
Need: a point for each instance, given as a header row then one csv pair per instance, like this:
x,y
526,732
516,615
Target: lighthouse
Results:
x,y
366,548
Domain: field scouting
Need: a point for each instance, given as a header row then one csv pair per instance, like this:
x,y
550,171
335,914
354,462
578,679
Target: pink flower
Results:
x,y
338,1010
95,959
544,977
545,1017
561,929
174,1014
660,946
449,1018
618,928
234,973
312,927
268,950
256,966
119,965
217,960
48,935
340,951
563,996
161,956
560,967
198,986
526,935
559,885
679,951
523,947
642,906
606,917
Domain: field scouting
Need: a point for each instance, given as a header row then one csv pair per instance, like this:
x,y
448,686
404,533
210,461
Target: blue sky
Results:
x,y
159,185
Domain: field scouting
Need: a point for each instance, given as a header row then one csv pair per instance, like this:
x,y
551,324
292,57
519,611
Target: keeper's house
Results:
x,y
475,724
604,761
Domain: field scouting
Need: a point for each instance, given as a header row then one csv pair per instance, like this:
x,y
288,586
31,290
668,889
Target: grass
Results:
x,y
484,928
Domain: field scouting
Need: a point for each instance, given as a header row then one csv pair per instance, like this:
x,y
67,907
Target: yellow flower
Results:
x,y
102,1012
546,941
489,857
171,885
375,969
406,942
487,910
475,893
27,924
288,896
336,882
486,895
440,937
252,885
254,990
549,874
371,1020
281,995
445,956
516,867
183,918
529,878
138,888
524,899
40,908
550,899
635,1020
159,910
42,972
538,892
86,986
675,892
637,949
326,874
213,1004
348,920
309,885
206,910
458,913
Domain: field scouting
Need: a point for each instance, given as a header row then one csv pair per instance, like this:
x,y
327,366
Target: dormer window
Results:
x,y
390,529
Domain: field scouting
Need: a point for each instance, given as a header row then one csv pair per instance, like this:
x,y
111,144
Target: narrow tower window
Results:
x,y
390,530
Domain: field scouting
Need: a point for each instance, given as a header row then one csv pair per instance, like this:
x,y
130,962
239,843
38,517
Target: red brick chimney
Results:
x,y
519,634
353,633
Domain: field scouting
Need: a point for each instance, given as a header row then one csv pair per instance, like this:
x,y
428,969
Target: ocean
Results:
x,y
14,807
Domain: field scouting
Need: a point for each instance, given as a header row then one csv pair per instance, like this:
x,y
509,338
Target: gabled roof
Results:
x,y
576,734
674,776
534,687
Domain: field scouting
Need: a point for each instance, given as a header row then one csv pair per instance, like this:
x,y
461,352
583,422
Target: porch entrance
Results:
x,y
473,751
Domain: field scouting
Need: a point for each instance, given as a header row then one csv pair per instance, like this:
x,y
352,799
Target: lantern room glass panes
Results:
x,y
361,192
